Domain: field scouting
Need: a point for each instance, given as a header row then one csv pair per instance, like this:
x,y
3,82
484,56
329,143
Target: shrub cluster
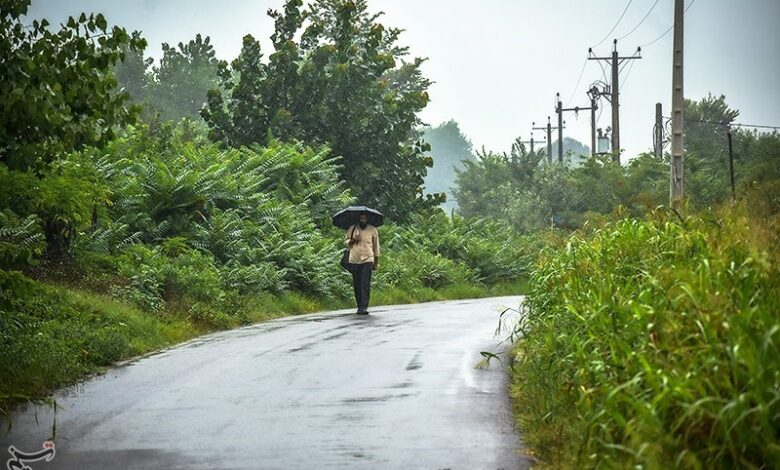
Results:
x,y
434,250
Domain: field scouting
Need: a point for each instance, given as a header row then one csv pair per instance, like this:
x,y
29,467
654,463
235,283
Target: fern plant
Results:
x,y
21,240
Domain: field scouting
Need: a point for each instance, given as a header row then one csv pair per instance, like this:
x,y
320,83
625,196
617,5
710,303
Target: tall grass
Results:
x,y
652,344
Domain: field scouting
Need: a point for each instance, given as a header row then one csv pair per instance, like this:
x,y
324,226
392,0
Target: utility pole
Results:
x,y
560,126
547,129
614,92
615,105
531,142
676,193
593,107
658,133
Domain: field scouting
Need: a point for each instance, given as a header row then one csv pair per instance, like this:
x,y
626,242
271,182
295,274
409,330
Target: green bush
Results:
x,y
491,249
207,314
65,198
412,269
260,277
653,344
21,240
155,276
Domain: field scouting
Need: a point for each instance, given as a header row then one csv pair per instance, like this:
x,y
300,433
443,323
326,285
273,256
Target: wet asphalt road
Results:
x,y
396,389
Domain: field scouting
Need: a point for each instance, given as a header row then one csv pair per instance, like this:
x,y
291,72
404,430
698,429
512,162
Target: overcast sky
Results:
x,y
497,64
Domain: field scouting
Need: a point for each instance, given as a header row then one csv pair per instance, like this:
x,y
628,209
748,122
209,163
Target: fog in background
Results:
x,y
497,64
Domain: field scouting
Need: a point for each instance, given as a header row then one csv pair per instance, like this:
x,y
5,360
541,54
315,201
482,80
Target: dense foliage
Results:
x,y
57,90
336,77
176,218
483,251
652,344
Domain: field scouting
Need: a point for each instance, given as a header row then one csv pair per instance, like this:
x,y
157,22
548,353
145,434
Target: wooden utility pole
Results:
x,y
658,133
547,129
614,92
549,140
676,193
615,105
560,126
593,108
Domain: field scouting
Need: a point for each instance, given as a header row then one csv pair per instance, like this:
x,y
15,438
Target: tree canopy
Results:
x,y
338,77
58,90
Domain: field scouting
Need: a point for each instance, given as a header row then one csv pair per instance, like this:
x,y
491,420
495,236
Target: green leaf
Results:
x,y
100,21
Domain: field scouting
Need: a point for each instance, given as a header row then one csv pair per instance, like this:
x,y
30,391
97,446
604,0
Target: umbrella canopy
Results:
x,y
349,216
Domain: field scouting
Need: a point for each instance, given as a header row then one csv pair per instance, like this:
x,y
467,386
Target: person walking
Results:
x,y
363,242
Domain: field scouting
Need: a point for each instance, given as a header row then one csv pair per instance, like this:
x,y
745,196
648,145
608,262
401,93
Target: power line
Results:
x,y
667,31
623,81
640,22
732,124
603,72
616,24
756,126
578,82
620,71
735,124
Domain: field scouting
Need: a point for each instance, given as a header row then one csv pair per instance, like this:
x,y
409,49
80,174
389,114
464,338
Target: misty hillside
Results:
x,y
572,150
449,147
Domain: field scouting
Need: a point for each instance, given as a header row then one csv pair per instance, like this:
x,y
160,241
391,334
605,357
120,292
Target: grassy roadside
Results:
x,y
54,334
652,344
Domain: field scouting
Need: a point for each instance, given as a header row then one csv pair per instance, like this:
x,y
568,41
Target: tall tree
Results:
x,y
706,145
132,76
57,91
184,77
706,123
178,88
345,84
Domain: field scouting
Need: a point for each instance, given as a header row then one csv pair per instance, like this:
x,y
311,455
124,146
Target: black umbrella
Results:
x,y
349,217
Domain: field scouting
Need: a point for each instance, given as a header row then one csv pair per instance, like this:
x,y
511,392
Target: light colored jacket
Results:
x,y
367,248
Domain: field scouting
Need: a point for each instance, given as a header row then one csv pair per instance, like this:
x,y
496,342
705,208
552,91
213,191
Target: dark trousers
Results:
x,y
361,282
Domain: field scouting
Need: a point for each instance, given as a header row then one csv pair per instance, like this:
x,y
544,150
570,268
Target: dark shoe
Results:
x,y
362,312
